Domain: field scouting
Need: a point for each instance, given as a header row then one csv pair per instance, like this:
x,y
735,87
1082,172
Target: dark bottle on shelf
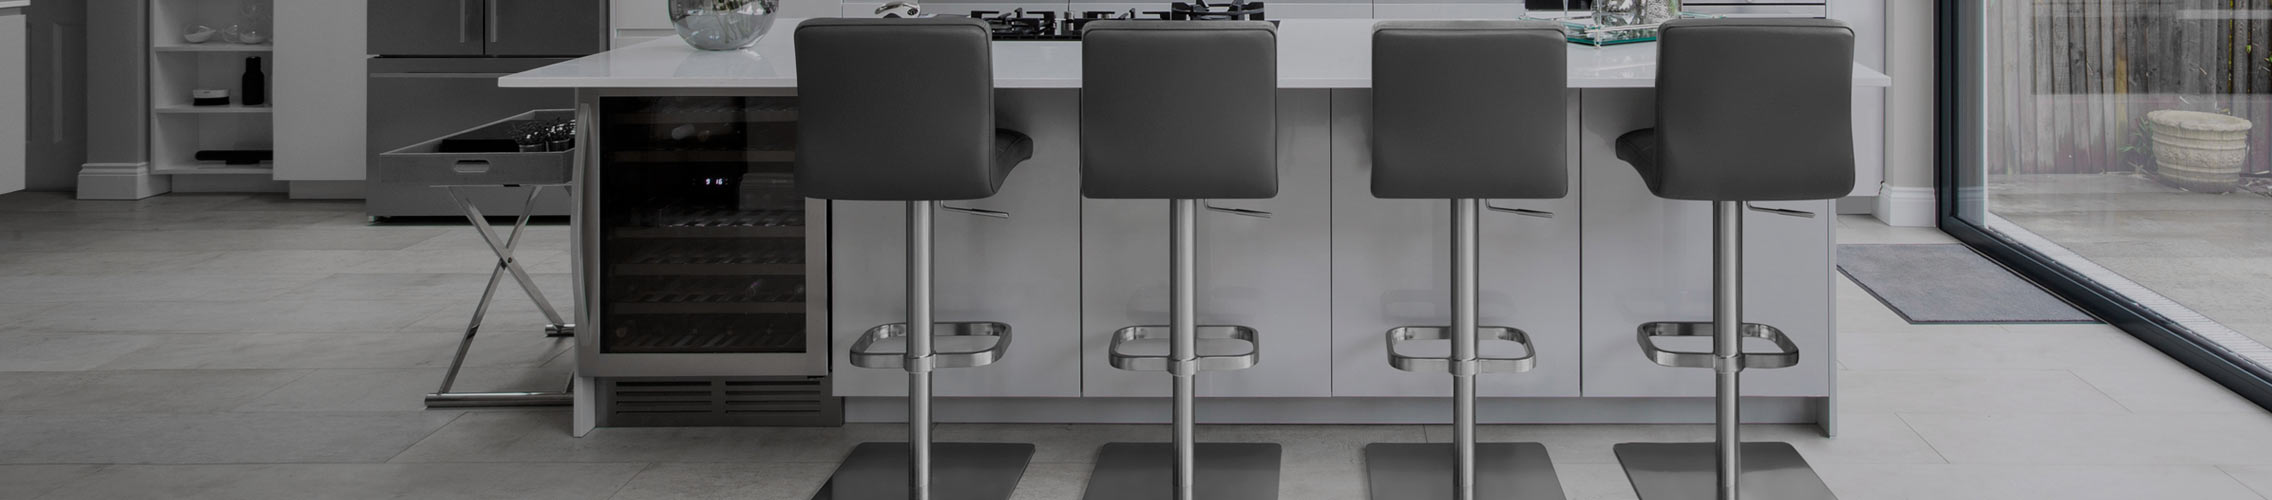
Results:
x,y
255,91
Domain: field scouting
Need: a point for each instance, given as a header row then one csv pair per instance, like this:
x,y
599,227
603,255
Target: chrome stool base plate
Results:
x,y
1423,471
1684,471
1226,471
959,471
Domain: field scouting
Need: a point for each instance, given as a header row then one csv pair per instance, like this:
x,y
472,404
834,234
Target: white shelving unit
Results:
x,y
178,130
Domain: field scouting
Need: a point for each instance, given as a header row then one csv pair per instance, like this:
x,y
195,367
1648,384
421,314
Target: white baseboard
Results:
x,y
1906,206
120,181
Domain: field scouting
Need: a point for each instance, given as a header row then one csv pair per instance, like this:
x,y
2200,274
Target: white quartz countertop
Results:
x,y
10,4
1312,53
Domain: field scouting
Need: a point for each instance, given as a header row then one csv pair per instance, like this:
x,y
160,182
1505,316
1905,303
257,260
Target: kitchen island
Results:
x,y
1321,281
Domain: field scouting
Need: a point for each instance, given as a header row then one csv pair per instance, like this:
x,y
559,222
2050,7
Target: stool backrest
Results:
x,y
1179,109
895,109
1755,109
1470,109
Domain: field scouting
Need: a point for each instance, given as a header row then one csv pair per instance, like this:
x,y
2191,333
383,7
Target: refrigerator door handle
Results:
x,y
465,22
492,15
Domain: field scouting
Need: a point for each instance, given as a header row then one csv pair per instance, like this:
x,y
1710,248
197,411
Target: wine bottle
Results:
x,y
255,91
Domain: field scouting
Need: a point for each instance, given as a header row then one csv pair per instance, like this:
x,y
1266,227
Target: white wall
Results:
x,y
1908,194
1868,19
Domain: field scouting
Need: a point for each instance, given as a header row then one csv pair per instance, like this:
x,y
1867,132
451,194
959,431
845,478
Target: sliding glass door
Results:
x,y
2120,151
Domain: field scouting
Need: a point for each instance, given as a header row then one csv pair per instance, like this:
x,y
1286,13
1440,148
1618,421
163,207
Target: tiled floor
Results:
x,y
234,347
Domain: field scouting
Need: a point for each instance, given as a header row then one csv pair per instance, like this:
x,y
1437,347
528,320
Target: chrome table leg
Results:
x,y
506,264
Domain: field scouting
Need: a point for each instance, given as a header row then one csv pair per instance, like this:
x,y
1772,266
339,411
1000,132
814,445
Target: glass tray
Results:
x,y
1582,30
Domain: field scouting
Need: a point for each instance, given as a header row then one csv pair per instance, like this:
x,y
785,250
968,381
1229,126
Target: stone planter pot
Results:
x,y
2197,151
723,24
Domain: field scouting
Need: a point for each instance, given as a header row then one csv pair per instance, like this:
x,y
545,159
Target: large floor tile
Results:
x,y
2005,482
214,438
1052,443
1305,444
1863,438
97,262
2053,439
335,351
27,482
44,352
374,238
542,436
2012,391
2171,388
730,481
149,287
1058,481
158,391
462,288
1595,482
2001,347
401,389
288,315
1321,479
2257,477
36,201
352,481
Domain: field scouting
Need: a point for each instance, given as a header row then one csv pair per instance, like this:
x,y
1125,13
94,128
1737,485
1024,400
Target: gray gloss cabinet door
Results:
x,y
547,27
1649,259
1023,270
1271,274
1392,268
427,27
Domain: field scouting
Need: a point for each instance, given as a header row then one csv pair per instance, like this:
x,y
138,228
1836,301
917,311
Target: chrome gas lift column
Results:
x,y
945,147
1731,140
1759,470
1230,98
1466,132
1463,469
964,471
1185,469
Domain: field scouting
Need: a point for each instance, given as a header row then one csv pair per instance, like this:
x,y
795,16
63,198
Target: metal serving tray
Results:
x,y
425,164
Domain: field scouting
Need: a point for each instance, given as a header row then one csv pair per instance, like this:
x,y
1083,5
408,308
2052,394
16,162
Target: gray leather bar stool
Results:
x,y
865,132
1774,124
1181,111
1467,111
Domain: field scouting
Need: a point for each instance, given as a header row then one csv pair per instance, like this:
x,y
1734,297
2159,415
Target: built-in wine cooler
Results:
x,y
700,257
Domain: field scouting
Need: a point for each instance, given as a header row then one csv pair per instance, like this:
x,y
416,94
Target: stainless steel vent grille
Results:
x,y
719,402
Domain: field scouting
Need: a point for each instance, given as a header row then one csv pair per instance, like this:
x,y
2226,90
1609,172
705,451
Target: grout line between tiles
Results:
x,y
1921,437
2243,484
429,435
618,491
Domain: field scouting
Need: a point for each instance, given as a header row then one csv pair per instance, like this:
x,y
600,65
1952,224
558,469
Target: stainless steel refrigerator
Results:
x,y
434,70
